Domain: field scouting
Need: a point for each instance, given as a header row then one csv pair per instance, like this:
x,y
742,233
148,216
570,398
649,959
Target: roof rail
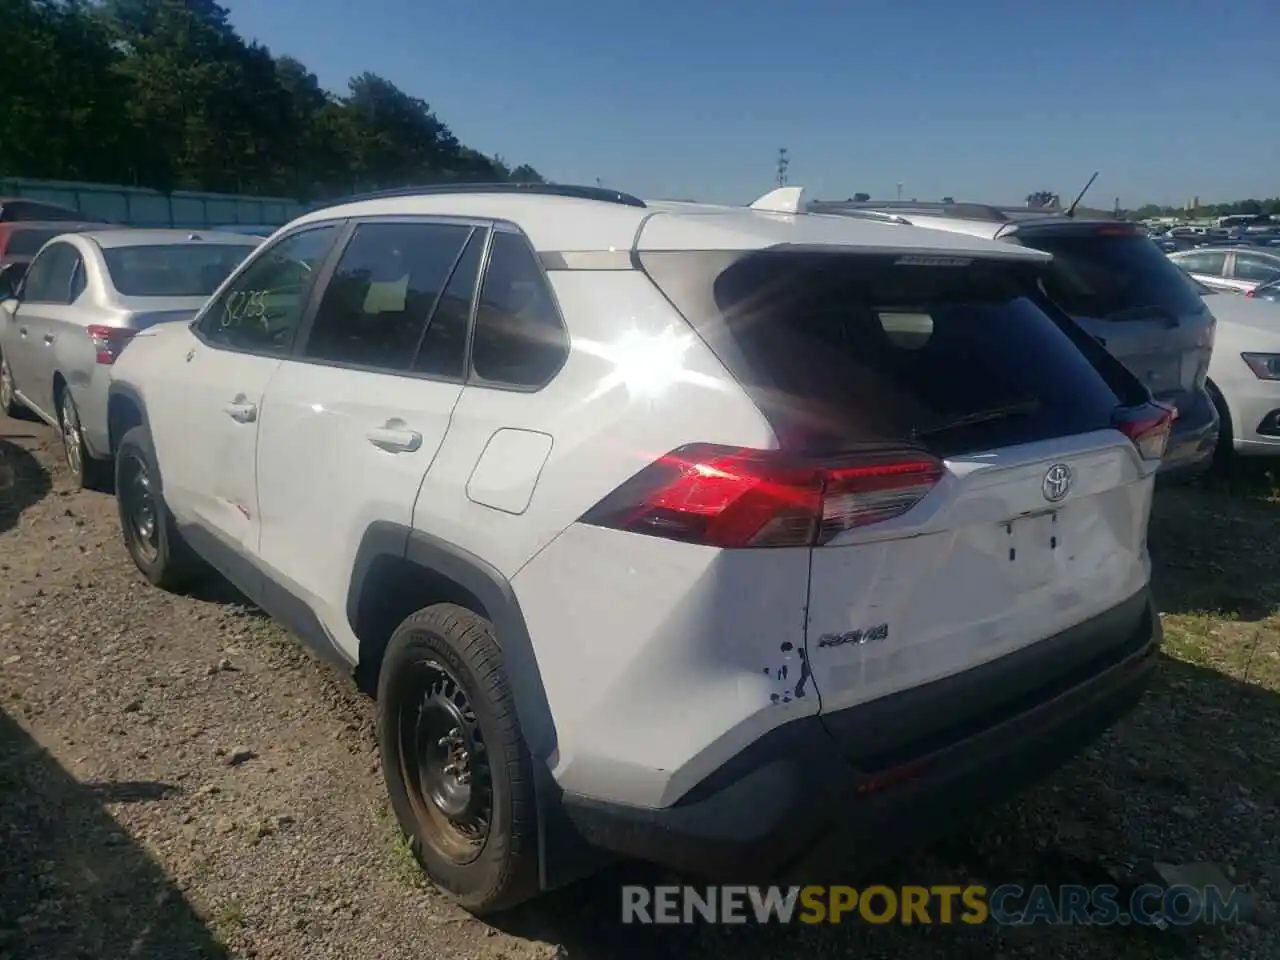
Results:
x,y
878,215
960,211
602,194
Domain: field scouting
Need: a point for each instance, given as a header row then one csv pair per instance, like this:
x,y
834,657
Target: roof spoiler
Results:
x,y
782,200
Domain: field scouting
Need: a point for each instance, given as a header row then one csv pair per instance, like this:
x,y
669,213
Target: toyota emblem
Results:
x,y
1056,483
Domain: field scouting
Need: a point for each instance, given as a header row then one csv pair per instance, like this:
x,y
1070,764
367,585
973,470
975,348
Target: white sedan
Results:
x,y
1244,373
83,298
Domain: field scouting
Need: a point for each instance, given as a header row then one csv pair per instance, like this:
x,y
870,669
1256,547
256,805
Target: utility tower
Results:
x,y
783,163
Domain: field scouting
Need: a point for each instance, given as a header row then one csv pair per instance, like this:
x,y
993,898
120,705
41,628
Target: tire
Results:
x,y
87,472
1224,454
157,548
442,679
9,405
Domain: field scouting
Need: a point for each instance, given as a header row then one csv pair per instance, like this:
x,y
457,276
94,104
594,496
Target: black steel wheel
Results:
x,y
457,768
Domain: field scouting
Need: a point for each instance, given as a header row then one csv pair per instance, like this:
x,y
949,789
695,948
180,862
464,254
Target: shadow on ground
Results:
x,y
73,884
23,483
1215,546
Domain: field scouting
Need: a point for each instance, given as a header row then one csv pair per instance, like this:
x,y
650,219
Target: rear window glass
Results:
x,y
188,269
1112,277
35,210
25,243
840,350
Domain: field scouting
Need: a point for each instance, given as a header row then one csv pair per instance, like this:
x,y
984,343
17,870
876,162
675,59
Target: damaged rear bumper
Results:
x,y
876,779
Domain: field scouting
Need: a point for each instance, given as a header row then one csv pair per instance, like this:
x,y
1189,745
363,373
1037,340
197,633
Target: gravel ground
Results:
x,y
178,779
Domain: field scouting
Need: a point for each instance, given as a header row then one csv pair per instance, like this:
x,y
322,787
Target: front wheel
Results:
x,y
457,768
150,534
8,394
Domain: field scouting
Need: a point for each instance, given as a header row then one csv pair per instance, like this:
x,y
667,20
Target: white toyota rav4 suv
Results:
x,y
726,538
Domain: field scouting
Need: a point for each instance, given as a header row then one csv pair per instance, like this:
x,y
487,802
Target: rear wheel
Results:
x,y
150,534
87,472
456,766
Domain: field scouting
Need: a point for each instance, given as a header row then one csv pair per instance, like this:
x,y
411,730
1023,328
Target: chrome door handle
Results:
x,y
22,331
48,339
395,438
241,411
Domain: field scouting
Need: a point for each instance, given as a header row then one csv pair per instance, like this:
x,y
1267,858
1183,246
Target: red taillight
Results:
x,y
1148,427
108,341
1249,293
733,497
6,231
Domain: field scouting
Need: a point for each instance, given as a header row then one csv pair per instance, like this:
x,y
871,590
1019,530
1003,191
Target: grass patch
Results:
x,y
226,920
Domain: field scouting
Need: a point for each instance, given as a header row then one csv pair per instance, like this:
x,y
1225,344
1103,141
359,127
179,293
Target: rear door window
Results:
x,y
391,277
1256,269
841,350
1111,276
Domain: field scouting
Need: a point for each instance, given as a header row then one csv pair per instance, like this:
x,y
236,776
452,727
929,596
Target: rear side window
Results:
x,y
519,340
386,286
1112,277
841,350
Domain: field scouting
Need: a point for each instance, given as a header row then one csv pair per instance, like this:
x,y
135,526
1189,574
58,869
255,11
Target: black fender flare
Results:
x,y
488,585
124,390
564,855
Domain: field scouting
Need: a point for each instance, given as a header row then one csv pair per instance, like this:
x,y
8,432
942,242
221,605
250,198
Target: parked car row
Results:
x,y
729,538
1231,269
65,318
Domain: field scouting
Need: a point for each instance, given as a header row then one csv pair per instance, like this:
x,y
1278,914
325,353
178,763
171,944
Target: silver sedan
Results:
x,y
82,299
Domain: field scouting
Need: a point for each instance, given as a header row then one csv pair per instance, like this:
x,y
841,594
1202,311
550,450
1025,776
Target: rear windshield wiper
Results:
x,y
989,415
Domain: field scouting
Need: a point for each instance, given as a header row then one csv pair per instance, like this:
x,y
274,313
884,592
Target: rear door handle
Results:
x,y
48,338
22,331
395,437
242,411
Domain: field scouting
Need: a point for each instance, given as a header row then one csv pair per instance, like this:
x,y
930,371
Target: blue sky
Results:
x,y
985,100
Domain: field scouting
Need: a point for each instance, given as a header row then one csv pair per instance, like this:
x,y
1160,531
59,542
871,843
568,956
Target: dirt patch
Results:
x,y
178,779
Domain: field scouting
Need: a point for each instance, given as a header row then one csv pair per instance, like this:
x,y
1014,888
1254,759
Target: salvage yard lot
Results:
x,y
178,779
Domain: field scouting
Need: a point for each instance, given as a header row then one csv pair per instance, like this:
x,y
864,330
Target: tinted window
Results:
x,y
26,243
1256,269
49,279
1209,262
261,308
840,349
34,210
188,269
519,339
444,347
1108,276
386,285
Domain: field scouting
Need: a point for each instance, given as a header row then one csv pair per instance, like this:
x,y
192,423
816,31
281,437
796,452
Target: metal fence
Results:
x,y
142,207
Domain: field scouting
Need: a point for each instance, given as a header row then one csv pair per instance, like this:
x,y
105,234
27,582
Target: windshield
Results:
x,y
1105,276
187,269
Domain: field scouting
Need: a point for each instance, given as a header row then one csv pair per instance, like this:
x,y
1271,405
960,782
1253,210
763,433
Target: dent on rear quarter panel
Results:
x,y
663,660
